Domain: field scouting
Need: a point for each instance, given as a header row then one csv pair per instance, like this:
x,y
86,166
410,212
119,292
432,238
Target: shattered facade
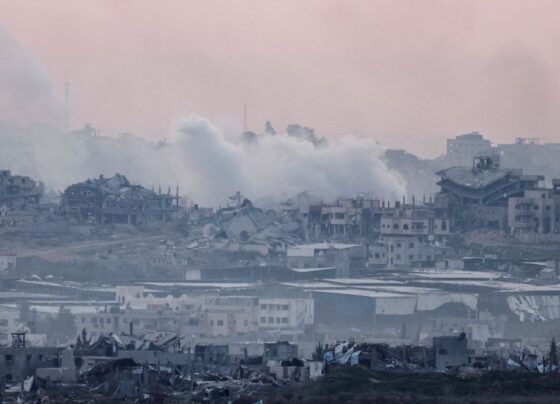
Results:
x,y
116,200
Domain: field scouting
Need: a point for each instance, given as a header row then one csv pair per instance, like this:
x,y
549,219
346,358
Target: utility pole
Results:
x,y
66,106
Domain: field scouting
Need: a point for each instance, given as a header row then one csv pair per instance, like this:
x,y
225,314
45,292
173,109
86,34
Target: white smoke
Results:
x,y
278,166
207,164
25,90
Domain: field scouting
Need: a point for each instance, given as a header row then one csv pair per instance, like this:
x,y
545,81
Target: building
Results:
x,y
20,361
485,183
411,220
7,261
285,313
412,235
478,196
19,193
410,251
451,351
116,200
348,217
279,351
346,258
463,148
537,211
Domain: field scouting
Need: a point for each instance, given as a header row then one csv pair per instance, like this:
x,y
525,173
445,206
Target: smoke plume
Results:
x,y
206,163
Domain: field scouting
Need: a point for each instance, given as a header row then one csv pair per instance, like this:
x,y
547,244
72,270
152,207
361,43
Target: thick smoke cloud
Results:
x,y
277,166
206,163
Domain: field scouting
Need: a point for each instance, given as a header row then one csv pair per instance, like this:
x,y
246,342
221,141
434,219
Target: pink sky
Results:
x,y
408,73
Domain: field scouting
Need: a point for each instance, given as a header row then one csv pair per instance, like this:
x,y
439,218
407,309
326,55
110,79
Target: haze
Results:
x,y
405,73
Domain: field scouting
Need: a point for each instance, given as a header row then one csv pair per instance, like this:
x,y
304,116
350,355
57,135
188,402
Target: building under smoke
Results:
x,y
17,192
116,200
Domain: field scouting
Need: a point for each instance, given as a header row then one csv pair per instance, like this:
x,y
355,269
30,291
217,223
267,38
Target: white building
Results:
x,y
345,257
285,313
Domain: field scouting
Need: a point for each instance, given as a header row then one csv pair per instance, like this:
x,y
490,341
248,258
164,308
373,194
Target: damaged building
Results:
x,y
116,200
18,192
477,196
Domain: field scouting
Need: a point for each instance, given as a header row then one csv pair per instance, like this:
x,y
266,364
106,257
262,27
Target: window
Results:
x,y
376,255
411,257
8,358
270,307
3,322
285,307
246,323
211,322
271,320
108,320
263,306
220,323
28,358
410,245
405,227
284,320
277,320
263,319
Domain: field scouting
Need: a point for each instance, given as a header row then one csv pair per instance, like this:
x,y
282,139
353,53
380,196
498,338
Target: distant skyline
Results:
x,y
406,73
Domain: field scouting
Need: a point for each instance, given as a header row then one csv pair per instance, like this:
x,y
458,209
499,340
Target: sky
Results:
x,y
408,74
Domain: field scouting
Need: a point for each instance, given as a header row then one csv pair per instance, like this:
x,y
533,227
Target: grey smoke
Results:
x,y
25,91
206,163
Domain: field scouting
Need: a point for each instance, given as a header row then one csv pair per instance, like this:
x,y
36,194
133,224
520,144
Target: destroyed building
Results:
x,y
536,211
17,192
478,195
116,200
485,182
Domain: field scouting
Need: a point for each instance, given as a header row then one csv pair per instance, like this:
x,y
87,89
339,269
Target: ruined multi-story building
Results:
x,y
536,211
348,217
18,192
116,200
478,196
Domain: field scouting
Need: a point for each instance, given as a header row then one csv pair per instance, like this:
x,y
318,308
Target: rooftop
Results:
x,y
471,178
